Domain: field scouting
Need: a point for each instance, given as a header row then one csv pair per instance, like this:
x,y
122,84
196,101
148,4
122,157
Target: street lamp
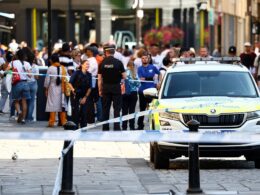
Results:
x,y
138,5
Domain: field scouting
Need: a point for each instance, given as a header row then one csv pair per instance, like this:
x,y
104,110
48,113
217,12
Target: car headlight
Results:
x,y
253,115
170,115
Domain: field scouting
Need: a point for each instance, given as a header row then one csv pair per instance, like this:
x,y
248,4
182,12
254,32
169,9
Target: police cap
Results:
x,y
109,47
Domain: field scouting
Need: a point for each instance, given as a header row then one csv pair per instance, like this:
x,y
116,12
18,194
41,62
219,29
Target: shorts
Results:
x,y
21,91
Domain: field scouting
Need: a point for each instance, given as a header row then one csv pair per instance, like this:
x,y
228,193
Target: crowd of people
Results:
x,y
82,83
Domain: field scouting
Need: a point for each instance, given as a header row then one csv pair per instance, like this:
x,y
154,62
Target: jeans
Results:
x,y
30,102
4,96
12,107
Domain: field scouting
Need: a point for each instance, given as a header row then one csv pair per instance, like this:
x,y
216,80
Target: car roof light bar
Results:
x,y
199,59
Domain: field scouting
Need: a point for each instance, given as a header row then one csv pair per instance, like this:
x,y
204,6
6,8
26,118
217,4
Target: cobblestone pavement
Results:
x,y
112,168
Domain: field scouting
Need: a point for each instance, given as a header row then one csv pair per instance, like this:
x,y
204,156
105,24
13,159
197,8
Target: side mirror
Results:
x,y
151,93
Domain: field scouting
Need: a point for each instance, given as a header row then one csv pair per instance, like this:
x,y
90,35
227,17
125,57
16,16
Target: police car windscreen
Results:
x,y
209,83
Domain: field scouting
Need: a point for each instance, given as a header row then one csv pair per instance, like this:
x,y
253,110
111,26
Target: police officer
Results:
x,y
110,73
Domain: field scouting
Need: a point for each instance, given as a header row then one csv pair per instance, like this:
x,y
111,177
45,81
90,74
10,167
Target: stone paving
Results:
x,y
112,168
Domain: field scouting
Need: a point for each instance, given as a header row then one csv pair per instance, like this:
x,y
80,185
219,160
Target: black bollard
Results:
x,y
194,167
67,172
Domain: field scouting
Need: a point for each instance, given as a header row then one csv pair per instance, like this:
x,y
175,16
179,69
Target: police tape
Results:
x,y
178,136
67,76
82,134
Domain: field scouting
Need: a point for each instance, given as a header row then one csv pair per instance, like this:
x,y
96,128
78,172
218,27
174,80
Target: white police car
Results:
x,y
222,97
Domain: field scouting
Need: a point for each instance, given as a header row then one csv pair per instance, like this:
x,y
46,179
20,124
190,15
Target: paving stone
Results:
x,y
35,189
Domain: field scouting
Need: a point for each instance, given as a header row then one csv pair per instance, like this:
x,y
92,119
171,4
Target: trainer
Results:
x,y
110,74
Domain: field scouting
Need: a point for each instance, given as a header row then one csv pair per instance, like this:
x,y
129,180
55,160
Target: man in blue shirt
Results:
x,y
146,73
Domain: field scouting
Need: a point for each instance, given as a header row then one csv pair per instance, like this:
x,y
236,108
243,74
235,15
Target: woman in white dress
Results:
x,y
54,90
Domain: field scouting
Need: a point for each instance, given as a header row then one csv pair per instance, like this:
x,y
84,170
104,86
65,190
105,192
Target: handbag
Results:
x,y
16,76
67,89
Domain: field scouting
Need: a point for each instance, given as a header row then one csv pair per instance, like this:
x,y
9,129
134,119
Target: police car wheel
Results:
x,y
161,161
257,164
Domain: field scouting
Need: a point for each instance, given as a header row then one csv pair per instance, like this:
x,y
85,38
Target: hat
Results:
x,y
232,49
247,44
65,47
109,47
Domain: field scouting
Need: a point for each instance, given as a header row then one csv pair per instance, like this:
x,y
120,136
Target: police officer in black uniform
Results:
x,y
110,73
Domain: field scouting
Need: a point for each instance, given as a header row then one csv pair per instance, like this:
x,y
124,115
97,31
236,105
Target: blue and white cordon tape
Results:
x,y
67,76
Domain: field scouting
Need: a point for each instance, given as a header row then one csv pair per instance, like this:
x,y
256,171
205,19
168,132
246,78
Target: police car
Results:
x,y
221,96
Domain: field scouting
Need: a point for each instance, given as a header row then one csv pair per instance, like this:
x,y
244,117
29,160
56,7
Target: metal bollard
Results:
x,y
67,172
194,167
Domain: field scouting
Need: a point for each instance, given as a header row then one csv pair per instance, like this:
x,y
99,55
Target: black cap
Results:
x,y
109,47
232,49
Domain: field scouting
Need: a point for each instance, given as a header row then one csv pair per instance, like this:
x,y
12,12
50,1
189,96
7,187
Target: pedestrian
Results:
x,y
184,52
76,55
13,45
167,63
55,91
155,55
217,52
93,70
130,97
98,102
4,92
20,88
80,84
66,59
32,82
6,82
248,58
138,60
204,52
146,73
192,52
110,73
257,67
